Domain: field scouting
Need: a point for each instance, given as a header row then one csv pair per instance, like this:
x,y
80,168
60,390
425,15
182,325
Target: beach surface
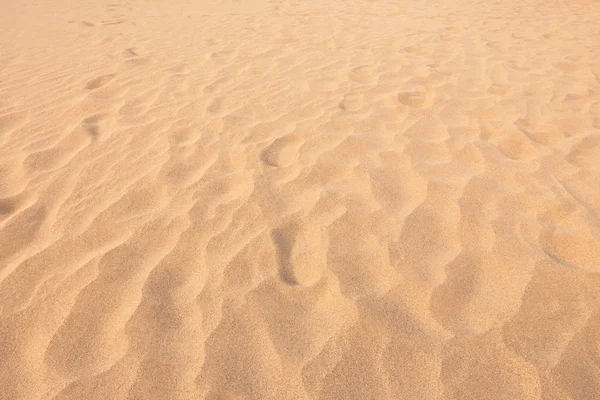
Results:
x,y
272,200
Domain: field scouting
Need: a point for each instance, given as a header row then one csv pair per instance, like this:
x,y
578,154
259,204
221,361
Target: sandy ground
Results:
x,y
300,199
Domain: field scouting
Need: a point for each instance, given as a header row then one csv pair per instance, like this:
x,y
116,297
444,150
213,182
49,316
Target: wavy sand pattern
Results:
x,y
300,200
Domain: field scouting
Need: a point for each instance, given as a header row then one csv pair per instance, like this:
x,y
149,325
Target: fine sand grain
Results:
x,y
266,199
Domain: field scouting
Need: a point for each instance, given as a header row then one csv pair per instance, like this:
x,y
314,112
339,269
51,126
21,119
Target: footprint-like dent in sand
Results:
x,y
416,99
362,74
413,49
130,52
9,206
282,152
498,90
352,102
179,70
91,125
301,252
99,81
217,106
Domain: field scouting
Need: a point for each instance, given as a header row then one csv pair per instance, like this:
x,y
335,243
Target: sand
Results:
x,y
265,199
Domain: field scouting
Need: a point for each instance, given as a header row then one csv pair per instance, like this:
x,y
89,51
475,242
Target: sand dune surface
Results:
x,y
265,199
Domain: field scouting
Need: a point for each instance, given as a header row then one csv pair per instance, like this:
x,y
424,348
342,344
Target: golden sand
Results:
x,y
299,199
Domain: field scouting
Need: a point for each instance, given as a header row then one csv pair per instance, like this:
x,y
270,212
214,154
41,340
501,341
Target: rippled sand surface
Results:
x,y
364,199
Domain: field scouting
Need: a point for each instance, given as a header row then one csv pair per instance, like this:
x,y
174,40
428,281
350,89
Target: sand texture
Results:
x,y
272,200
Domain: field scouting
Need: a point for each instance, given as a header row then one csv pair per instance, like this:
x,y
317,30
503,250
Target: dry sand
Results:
x,y
299,200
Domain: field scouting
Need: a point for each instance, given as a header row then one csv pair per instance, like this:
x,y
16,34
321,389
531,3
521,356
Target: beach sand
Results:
x,y
365,199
